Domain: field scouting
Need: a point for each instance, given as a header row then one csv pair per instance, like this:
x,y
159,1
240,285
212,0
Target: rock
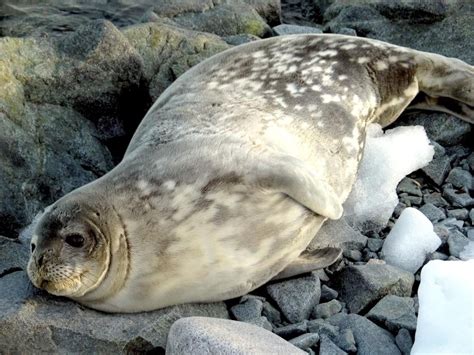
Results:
x,y
457,242
250,309
297,297
410,186
362,285
326,310
345,340
292,330
433,213
260,322
338,234
168,51
323,328
451,223
404,341
470,234
370,338
230,18
438,256
436,199
200,335
471,215
305,341
460,178
236,40
327,347
394,313
282,30
374,244
458,198
438,168
327,294
272,314
460,213
13,256
343,31
354,255
470,161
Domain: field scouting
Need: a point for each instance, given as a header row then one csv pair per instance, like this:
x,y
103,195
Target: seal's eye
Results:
x,y
75,240
33,247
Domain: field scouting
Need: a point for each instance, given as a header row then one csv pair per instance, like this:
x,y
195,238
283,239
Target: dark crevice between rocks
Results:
x,y
139,346
10,271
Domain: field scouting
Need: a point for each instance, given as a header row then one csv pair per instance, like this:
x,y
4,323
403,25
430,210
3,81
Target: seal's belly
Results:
x,y
222,251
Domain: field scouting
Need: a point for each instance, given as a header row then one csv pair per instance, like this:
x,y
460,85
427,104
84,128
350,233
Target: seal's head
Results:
x,y
70,251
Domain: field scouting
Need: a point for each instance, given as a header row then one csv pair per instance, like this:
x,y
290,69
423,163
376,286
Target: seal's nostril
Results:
x,y
40,260
33,247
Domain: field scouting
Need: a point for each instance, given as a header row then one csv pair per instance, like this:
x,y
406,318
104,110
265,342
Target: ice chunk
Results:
x,y
410,241
387,159
446,314
468,251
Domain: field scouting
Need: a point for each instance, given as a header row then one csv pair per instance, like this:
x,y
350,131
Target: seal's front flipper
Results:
x,y
310,260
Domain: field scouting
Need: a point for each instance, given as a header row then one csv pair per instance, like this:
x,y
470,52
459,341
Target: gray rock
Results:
x,y
13,256
327,347
362,285
452,223
438,169
354,255
470,234
399,209
370,338
338,234
237,40
438,256
327,294
410,200
250,309
346,341
460,213
272,314
229,18
458,198
282,30
374,244
296,298
261,322
436,199
200,335
410,186
471,215
457,242
460,178
433,213
470,161
292,330
305,341
323,328
168,51
326,310
404,341
394,313
343,31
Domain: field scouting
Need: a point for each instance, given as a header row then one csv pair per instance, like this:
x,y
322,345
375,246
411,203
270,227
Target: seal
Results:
x,y
233,171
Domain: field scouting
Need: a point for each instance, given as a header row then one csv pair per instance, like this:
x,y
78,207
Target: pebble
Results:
x,y
403,341
471,216
470,161
305,341
272,314
438,168
321,327
438,256
436,199
458,198
285,29
460,178
327,347
250,309
433,213
327,294
410,186
296,298
470,234
460,213
374,244
354,255
452,222
292,330
394,313
345,340
326,310
457,242
260,322
442,232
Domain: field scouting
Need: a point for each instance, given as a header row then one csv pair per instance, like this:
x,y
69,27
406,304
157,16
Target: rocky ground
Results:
x,y
75,82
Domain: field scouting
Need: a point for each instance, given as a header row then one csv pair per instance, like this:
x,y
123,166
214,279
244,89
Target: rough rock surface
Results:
x,y
199,335
394,313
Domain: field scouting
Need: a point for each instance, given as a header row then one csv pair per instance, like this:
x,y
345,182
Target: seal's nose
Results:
x,y
40,260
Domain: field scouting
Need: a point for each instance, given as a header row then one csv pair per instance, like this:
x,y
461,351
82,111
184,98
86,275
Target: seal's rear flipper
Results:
x,y
310,260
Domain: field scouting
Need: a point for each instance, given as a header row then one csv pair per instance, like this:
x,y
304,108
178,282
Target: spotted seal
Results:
x,y
233,171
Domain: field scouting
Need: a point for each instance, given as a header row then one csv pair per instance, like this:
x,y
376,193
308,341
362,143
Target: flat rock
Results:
x,y
284,29
201,335
305,341
460,178
362,285
338,234
346,341
292,330
410,186
326,310
251,308
327,293
436,199
457,242
272,314
322,327
459,213
404,341
458,198
260,322
297,297
370,338
394,313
